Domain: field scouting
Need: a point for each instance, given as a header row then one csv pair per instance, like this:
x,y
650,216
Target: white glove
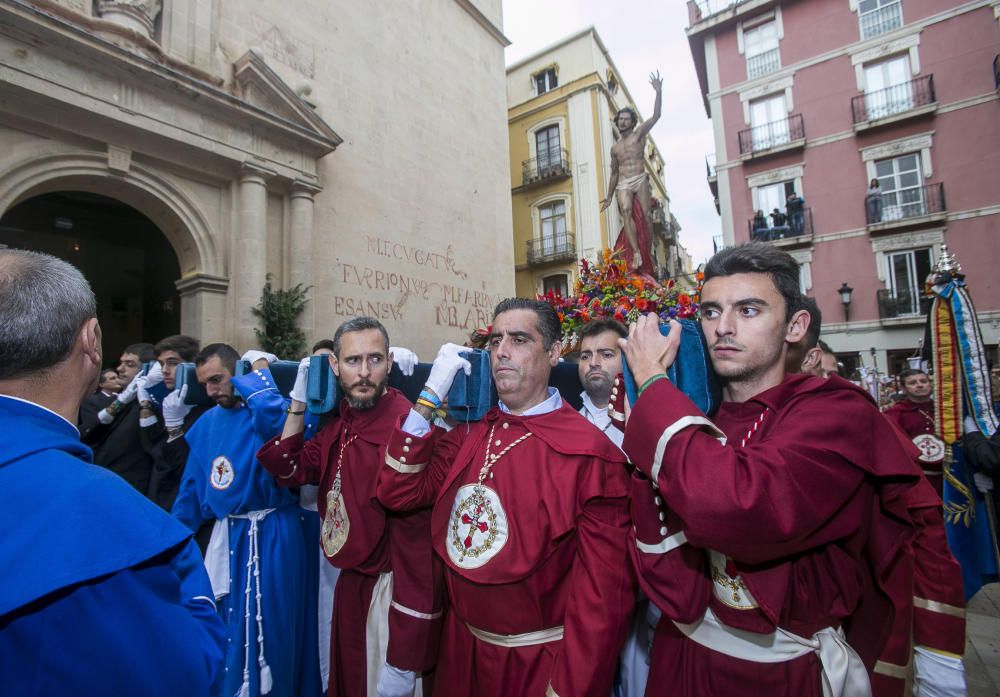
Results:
x,y
983,481
937,675
393,682
404,358
253,355
174,408
446,367
301,387
132,389
969,425
153,377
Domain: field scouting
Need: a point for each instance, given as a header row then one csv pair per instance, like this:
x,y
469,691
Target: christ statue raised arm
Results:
x,y
629,179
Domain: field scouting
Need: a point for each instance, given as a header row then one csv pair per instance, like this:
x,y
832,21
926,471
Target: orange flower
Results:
x,y
700,276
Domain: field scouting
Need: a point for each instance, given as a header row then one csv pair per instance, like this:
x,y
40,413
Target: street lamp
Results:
x,y
845,299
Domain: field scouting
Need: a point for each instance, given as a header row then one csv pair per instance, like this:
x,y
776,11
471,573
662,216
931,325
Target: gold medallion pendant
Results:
x,y
336,524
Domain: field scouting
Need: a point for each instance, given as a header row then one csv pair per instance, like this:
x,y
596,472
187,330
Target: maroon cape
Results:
x,y
642,237
378,541
807,519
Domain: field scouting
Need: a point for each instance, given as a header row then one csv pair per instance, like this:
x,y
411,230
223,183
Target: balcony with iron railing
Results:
x,y
545,168
996,70
552,248
763,63
905,207
906,100
901,303
788,231
784,134
881,21
711,174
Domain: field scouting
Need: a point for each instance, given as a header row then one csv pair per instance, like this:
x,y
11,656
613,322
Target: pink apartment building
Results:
x,y
820,97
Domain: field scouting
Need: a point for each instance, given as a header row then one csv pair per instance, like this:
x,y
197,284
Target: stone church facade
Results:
x,y
357,148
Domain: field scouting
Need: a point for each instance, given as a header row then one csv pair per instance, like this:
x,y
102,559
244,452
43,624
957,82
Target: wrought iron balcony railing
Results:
x,y
996,70
903,204
901,303
881,21
561,247
772,135
551,165
894,100
793,225
763,63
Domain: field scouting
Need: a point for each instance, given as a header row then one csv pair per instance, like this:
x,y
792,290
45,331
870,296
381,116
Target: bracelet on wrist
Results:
x,y
291,412
421,402
650,381
175,432
431,398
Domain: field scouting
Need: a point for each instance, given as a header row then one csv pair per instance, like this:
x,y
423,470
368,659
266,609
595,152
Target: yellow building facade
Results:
x,y
562,103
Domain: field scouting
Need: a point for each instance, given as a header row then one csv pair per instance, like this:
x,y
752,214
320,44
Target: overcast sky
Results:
x,y
641,36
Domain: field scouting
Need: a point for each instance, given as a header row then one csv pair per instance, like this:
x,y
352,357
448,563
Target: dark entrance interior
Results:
x,y
127,260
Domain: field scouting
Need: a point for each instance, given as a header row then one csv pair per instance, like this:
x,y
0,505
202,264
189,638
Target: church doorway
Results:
x,y
127,260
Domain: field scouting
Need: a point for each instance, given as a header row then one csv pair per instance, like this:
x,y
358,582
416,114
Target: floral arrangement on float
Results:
x,y
607,289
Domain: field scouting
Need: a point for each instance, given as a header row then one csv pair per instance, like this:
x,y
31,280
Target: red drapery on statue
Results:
x,y
623,248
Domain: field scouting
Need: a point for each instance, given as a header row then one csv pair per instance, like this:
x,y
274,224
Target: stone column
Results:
x,y
249,268
300,249
203,306
137,15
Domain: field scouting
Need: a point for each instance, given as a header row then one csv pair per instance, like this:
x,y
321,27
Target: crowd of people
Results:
x,y
790,543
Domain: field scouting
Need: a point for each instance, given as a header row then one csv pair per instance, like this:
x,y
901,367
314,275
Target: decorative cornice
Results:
x,y
484,21
202,283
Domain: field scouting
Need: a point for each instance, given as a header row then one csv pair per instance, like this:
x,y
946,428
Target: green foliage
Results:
x,y
279,311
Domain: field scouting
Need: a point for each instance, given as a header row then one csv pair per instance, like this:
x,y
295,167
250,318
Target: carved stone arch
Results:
x,y
176,215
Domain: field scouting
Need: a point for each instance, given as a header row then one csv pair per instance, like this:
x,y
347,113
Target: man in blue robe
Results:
x,y
103,593
257,557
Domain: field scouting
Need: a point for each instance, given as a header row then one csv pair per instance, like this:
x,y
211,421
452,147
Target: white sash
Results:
x,y
844,674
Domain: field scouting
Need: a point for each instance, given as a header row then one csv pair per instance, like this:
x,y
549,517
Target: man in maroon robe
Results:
x,y
929,628
388,599
773,536
915,417
531,519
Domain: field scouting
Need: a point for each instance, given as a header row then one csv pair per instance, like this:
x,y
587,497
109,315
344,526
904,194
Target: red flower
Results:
x,y
684,299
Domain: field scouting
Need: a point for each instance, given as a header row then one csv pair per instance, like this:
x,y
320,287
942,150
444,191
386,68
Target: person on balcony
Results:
x,y
779,224
873,202
794,207
759,226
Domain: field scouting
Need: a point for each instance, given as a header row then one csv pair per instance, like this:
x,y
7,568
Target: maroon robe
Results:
x,y
378,541
934,616
549,551
803,507
916,419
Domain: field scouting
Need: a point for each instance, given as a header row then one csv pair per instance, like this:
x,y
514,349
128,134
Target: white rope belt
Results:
x,y
844,674
513,641
253,573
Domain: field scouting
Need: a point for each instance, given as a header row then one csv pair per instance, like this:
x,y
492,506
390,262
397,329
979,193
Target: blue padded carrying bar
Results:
x,y
196,395
691,371
322,391
471,396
